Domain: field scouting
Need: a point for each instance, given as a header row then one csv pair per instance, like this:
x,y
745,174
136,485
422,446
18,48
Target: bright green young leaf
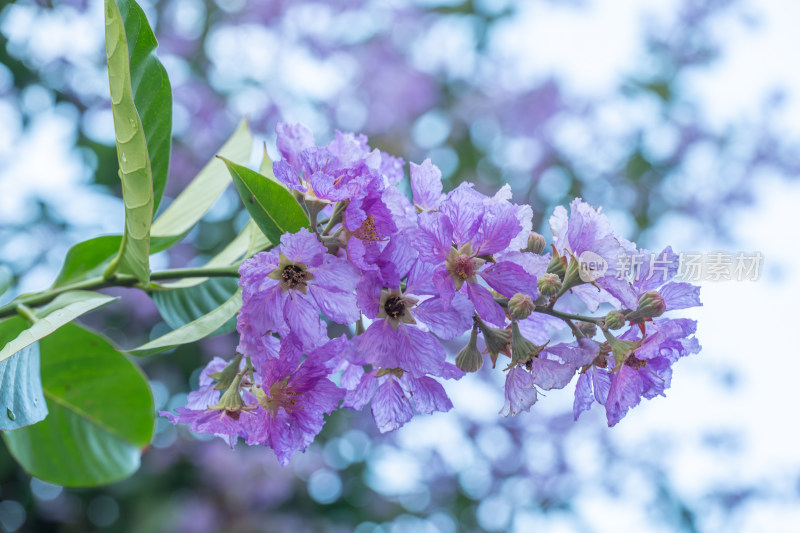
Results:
x,y
134,160
270,204
101,413
63,309
152,93
6,278
198,329
21,397
179,307
209,184
87,259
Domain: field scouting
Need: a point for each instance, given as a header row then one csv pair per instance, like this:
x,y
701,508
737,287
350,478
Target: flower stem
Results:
x,y
118,280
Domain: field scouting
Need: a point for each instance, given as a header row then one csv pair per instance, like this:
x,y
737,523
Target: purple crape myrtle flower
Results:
x,y
293,394
635,366
286,288
587,235
461,240
203,412
551,368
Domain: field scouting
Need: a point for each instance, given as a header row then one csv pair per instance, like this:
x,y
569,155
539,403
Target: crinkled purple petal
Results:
x,y
625,392
444,285
302,247
434,239
464,209
426,185
509,278
487,308
303,318
360,395
445,322
498,226
583,395
680,295
292,140
390,406
428,395
519,391
548,374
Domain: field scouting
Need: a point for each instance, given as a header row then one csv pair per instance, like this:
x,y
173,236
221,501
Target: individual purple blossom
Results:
x,y
459,239
199,412
293,394
552,368
288,287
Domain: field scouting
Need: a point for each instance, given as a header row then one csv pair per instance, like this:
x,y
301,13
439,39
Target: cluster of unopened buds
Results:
x,y
404,275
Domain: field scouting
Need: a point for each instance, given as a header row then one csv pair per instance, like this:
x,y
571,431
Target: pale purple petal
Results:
x,y
361,394
487,308
498,226
444,285
449,322
583,395
464,208
549,374
304,320
390,406
519,391
292,140
426,185
428,395
368,294
508,278
625,392
680,295
338,306
302,247
434,238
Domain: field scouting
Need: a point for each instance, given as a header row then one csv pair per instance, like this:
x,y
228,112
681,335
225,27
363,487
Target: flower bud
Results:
x,y
615,319
557,265
589,329
651,305
225,377
497,340
536,243
522,350
548,284
520,306
470,359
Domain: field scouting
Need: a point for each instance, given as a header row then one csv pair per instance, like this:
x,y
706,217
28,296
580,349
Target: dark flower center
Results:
x,y
394,307
463,267
635,363
293,276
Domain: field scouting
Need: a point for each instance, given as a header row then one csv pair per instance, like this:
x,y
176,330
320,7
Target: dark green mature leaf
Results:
x,y
198,329
209,184
132,155
63,309
181,306
270,204
101,413
152,93
21,397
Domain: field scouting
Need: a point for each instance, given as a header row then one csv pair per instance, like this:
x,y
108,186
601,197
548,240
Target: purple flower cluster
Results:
x,y
406,273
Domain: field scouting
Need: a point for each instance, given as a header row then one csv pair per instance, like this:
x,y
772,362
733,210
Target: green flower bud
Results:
x,y
520,306
589,329
536,243
557,265
548,285
651,305
615,319
497,340
225,377
470,359
522,350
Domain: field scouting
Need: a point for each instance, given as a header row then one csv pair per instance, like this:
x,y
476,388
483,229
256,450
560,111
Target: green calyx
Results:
x,y
231,400
622,349
225,377
470,359
522,350
497,340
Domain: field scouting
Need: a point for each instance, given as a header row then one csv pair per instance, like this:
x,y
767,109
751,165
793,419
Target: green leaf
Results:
x,y
198,329
63,309
272,206
134,161
179,307
101,413
87,259
209,184
21,397
6,278
152,93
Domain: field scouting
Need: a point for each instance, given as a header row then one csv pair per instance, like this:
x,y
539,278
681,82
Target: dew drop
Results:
x,y
10,414
124,159
133,123
36,401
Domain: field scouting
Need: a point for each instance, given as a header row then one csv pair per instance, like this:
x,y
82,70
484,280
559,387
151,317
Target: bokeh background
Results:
x,y
680,117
